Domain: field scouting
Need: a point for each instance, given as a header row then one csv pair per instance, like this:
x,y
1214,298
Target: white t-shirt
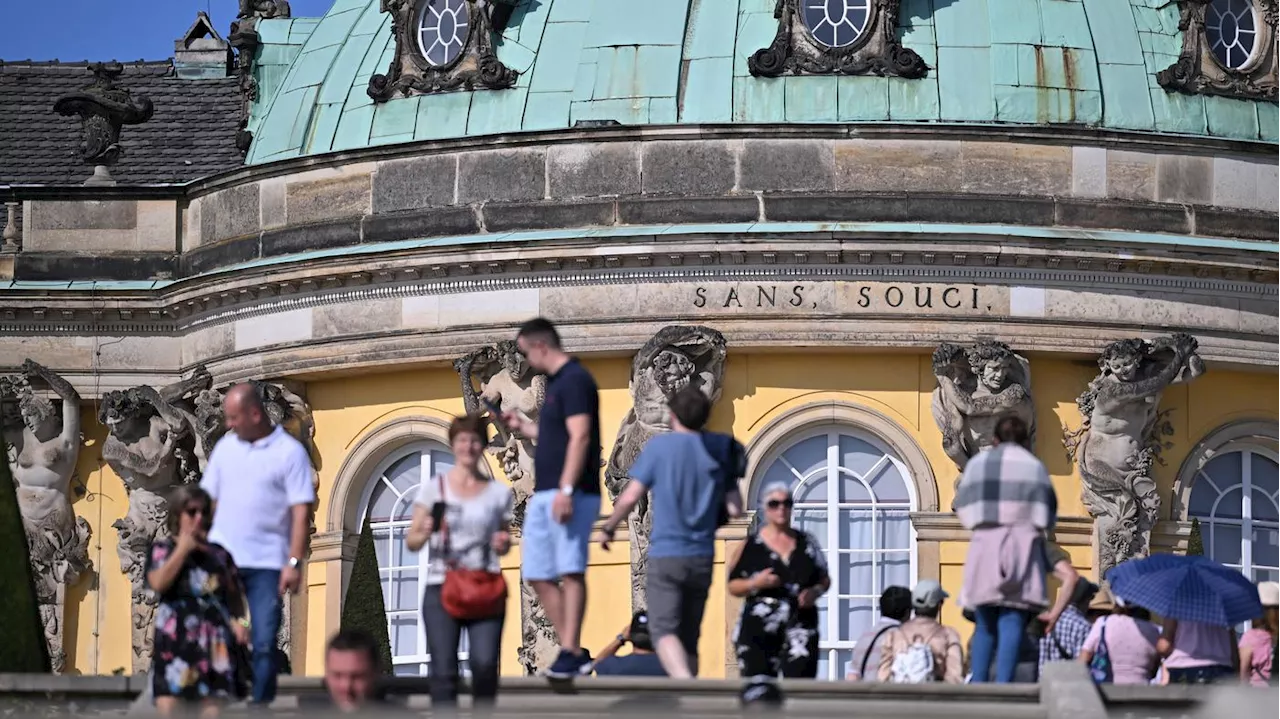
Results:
x,y
256,485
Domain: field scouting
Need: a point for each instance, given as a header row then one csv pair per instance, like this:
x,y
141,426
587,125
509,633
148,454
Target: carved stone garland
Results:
x,y
864,41
104,108
1117,482
417,70
674,358
1199,71
507,381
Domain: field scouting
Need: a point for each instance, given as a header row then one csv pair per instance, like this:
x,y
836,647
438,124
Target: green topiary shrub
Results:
x,y
22,645
1195,545
364,607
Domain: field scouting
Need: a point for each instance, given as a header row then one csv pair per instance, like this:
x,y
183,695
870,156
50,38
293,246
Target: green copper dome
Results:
x,y
662,62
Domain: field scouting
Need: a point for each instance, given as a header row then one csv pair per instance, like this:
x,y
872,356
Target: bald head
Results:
x,y
245,414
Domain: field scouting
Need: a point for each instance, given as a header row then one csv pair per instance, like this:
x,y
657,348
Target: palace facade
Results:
x,y
865,228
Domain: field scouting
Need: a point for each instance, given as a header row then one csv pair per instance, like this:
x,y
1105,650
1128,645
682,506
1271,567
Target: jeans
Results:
x,y
553,550
443,634
262,591
997,631
1199,675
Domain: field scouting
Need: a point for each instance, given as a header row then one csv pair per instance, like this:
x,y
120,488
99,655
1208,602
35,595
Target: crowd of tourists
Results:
x,y
235,543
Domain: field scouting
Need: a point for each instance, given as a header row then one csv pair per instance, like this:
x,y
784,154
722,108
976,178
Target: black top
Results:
x,y
806,567
570,391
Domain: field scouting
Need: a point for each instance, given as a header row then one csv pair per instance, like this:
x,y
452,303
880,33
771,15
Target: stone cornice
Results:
x,y
945,527
416,270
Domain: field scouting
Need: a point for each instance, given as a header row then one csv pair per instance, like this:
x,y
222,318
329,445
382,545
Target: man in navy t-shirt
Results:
x,y
566,498
689,489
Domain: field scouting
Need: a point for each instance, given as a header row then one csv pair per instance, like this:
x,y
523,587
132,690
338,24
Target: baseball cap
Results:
x,y
1269,594
927,594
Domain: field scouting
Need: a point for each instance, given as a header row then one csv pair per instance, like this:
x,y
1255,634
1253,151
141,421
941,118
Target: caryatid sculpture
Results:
x,y
507,380
43,449
153,445
1117,443
976,387
674,358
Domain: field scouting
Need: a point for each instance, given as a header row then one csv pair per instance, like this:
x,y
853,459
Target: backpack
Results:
x,y
915,664
730,462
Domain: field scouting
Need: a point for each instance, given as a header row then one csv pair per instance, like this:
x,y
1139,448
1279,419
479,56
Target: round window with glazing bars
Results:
x,y
442,30
836,23
1231,29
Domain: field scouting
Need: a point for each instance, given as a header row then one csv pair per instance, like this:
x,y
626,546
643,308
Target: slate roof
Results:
x,y
191,135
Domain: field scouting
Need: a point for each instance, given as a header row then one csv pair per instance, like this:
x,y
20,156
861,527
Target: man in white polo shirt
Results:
x,y
260,481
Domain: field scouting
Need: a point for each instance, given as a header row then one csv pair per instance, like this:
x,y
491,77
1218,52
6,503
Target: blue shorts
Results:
x,y
550,550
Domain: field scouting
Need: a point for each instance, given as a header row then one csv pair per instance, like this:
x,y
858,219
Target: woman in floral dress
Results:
x,y
200,618
782,573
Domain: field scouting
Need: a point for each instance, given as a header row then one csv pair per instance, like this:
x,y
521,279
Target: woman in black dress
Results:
x,y
200,626
781,572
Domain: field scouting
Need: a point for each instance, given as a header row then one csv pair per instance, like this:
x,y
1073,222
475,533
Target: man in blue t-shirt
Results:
x,y
566,498
690,489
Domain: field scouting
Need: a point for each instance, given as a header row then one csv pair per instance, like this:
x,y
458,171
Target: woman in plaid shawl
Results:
x,y
1006,499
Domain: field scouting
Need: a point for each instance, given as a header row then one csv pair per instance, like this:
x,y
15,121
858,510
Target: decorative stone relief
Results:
x,y
862,40
977,386
1119,440
505,379
676,357
44,444
264,9
441,45
153,446
1219,54
104,108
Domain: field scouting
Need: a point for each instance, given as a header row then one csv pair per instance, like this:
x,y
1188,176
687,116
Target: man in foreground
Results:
x,y
260,480
566,499
690,490
352,671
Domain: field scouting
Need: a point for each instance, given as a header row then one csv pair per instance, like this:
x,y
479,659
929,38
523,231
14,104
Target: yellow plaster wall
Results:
x,y
757,389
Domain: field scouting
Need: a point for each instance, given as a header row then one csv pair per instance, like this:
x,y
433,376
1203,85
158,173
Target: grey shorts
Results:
x,y
676,591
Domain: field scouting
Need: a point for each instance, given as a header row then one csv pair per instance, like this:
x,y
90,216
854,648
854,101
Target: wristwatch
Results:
x,y
567,491
294,562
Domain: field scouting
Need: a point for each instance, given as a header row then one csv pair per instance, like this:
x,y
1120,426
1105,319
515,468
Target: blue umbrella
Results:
x,y
1189,589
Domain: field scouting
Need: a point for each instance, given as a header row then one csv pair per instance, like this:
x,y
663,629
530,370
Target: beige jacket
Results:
x,y
948,657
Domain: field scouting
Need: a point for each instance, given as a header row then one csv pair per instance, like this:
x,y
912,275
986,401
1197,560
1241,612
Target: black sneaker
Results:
x,y
568,665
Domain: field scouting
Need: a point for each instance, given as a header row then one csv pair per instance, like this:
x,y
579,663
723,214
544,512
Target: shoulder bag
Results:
x,y
1100,665
469,594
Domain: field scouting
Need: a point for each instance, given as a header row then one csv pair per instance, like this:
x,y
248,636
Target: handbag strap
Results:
x,y
449,563
872,648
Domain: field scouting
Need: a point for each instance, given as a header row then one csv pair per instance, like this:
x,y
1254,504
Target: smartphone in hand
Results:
x,y
437,515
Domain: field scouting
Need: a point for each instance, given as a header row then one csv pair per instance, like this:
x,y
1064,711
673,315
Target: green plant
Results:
x,y
22,645
364,607
1195,545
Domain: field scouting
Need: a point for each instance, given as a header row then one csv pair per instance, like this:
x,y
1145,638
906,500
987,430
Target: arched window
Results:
x,y
855,496
1234,495
388,504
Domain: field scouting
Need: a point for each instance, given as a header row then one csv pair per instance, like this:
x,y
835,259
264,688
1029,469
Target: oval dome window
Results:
x,y
1231,29
442,30
836,23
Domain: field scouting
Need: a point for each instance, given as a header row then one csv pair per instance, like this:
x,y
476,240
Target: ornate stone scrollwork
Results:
x,y
104,108
506,380
265,9
441,45
674,358
44,444
1213,63
863,40
1120,439
977,386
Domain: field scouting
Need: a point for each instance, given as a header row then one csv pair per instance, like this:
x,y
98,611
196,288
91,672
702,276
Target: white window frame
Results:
x,y
834,508
1247,523
426,473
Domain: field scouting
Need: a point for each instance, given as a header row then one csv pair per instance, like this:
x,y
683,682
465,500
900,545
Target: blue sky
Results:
x,y
124,30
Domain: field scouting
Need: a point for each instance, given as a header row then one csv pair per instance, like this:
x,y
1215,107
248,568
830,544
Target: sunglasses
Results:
x,y
194,511
779,503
